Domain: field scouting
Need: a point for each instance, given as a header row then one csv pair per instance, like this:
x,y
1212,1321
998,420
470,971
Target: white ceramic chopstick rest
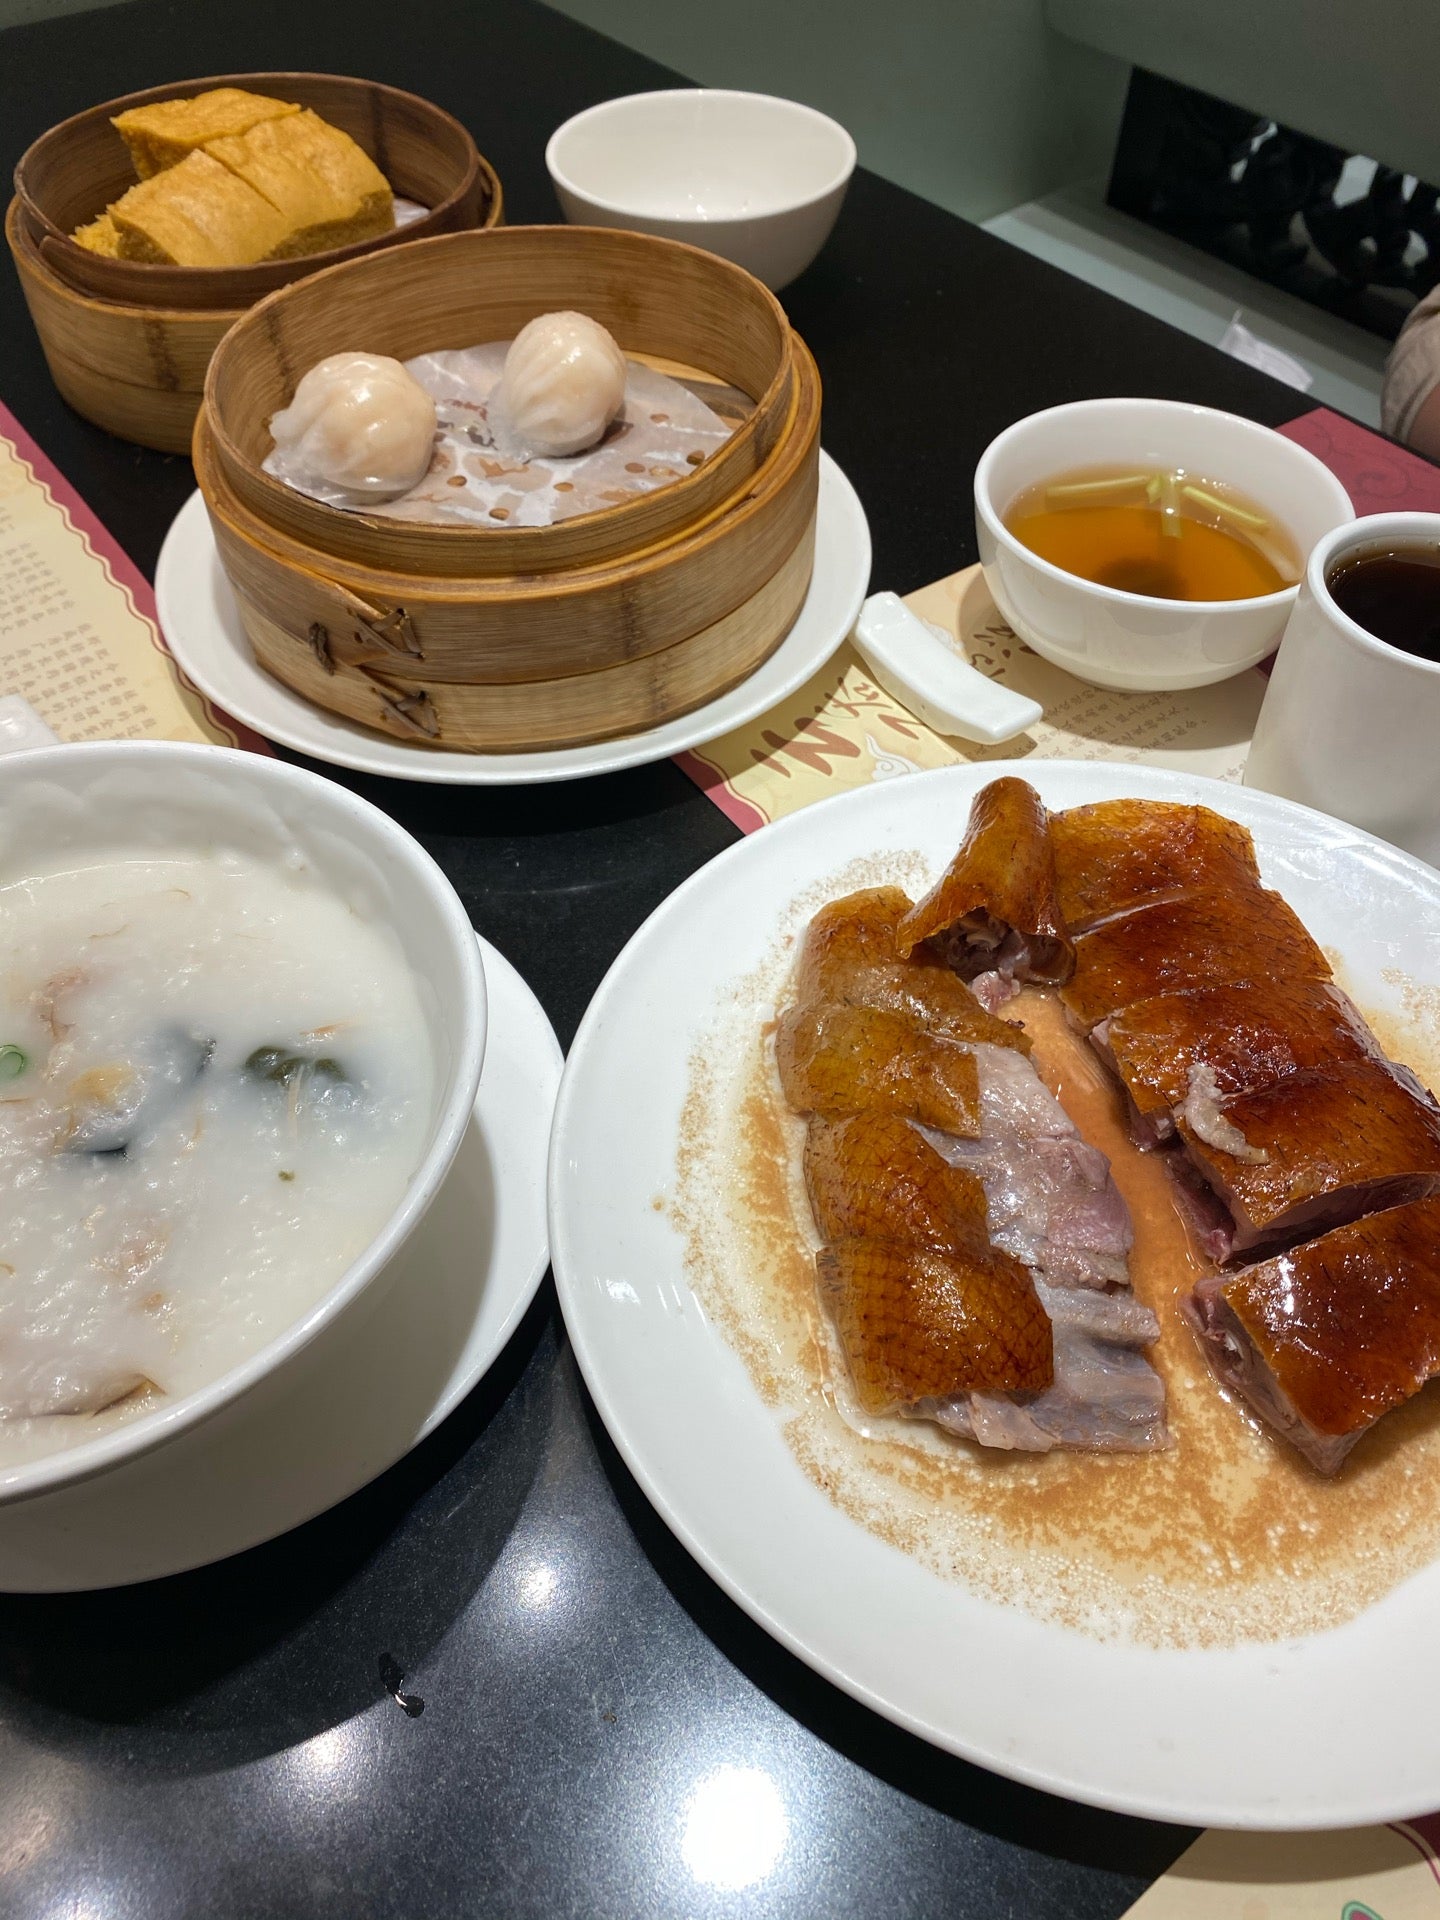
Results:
x,y
21,726
929,676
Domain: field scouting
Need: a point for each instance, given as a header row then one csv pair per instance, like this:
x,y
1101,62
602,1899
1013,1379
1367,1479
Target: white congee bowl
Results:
x,y
85,800
1129,639
755,179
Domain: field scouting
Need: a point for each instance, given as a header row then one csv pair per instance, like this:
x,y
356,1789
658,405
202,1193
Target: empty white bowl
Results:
x,y
87,800
753,178
1131,640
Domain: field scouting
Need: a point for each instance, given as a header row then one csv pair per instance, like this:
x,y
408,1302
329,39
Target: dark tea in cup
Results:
x,y
1394,594
1352,712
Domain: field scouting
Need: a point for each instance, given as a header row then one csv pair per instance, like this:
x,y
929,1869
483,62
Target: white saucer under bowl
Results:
x,y
202,627
370,1388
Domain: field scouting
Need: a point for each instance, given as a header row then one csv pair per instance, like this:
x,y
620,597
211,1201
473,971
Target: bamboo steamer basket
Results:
x,y
127,343
73,172
139,372
664,302
526,637
499,663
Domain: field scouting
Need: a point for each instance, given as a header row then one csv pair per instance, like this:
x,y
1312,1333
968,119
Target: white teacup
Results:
x,y
1351,725
1133,640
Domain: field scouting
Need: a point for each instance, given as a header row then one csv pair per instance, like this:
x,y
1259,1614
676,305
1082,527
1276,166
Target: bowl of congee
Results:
x,y
242,1017
1149,544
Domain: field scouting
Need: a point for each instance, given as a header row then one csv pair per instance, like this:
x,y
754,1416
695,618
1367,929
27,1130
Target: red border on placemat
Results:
x,y
1422,1835
1379,475
711,782
121,569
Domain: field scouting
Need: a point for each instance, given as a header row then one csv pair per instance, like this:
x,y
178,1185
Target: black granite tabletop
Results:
x,y
226,1743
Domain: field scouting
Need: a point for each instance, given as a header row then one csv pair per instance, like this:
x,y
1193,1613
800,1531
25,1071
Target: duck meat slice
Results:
x,y
1105,1397
1119,854
1312,1151
992,913
1325,1339
1180,1050
838,1060
880,1191
1050,1197
1212,937
940,1246
849,957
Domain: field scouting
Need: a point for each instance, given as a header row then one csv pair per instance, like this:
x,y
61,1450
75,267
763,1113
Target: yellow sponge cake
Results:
x,y
161,135
328,189
197,214
100,236
231,178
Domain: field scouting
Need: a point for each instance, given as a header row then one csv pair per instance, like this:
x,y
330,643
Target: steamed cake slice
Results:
x,y
327,188
197,214
100,236
161,134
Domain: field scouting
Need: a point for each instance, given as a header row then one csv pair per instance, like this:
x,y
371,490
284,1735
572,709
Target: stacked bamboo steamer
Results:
x,y
128,343
508,638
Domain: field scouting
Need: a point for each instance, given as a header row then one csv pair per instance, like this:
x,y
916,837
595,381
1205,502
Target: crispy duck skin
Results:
x,y
1224,1041
873,1177
920,1325
1319,1148
924,1306
1211,937
1119,854
849,958
1324,1340
993,910
838,1060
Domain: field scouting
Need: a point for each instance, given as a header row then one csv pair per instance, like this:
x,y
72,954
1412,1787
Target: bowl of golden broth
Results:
x,y
1149,544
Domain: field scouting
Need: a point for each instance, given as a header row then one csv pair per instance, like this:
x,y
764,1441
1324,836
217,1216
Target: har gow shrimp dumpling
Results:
x,y
563,384
359,422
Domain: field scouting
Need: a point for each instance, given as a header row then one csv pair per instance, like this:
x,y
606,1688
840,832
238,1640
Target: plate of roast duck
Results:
x,y
1018,1279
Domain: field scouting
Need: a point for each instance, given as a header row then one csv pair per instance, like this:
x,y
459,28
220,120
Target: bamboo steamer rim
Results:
x,y
63,249
29,259
793,447
445,545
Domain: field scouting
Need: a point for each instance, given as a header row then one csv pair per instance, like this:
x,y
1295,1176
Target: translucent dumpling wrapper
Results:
x,y
562,385
666,428
360,427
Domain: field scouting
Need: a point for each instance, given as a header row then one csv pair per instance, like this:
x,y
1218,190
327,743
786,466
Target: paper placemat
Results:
x,y
841,730
1359,1873
78,634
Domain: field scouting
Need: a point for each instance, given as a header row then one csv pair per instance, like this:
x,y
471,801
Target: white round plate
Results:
x,y
369,1389
202,627
1328,1730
